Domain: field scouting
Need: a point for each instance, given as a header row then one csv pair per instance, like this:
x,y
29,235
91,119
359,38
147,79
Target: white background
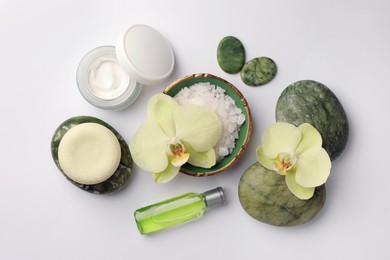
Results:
x,y
342,44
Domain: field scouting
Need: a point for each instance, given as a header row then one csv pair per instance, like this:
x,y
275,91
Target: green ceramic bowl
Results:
x,y
122,174
245,130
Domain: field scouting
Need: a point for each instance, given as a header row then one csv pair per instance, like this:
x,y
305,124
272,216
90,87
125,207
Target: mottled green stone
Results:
x,y
230,54
258,71
264,196
311,102
122,174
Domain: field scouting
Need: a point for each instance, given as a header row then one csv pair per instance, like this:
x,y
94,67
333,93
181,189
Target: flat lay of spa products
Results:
x,y
201,125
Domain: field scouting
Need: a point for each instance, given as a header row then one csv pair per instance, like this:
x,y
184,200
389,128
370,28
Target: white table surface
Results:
x,y
342,44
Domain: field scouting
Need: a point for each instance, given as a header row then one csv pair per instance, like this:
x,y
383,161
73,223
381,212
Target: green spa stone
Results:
x,y
230,54
258,71
122,174
308,101
264,196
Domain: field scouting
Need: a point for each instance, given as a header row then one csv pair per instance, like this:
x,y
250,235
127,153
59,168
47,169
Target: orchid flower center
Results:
x,y
284,162
177,152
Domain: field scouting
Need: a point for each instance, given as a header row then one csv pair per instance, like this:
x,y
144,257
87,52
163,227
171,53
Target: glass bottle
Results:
x,y
177,210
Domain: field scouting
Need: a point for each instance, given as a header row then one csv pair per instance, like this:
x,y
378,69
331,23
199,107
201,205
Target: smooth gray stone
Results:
x,y
264,196
230,54
308,101
258,71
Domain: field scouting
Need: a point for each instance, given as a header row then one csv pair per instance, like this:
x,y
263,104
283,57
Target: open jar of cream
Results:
x,y
111,77
103,82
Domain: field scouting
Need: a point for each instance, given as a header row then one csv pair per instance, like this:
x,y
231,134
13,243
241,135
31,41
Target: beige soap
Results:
x,y
89,153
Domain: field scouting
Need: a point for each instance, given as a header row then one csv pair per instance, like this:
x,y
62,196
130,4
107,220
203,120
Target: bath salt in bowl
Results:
x,y
214,97
231,107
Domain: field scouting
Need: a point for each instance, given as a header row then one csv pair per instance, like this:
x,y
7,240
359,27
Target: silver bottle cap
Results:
x,y
214,197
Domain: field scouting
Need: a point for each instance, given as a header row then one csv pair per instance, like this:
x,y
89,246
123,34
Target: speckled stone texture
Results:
x,y
258,71
264,196
311,102
230,54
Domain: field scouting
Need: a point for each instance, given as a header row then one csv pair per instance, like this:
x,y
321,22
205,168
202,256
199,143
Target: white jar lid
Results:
x,y
145,54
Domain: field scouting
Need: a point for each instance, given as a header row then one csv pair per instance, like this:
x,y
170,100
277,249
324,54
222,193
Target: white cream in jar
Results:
x,y
111,77
106,79
103,82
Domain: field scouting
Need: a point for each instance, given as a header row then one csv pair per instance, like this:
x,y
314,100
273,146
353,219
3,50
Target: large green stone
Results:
x,y
264,196
258,71
230,54
311,102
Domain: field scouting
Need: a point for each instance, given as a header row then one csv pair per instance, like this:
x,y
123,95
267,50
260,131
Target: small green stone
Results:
x,y
230,54
264,196
258,71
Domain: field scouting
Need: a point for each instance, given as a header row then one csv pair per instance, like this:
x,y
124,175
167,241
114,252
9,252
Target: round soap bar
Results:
x,y
75,127
258,71
264,196
89,153
230,54
311,102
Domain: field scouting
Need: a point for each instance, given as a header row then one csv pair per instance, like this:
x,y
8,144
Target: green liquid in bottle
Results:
x,y
175,211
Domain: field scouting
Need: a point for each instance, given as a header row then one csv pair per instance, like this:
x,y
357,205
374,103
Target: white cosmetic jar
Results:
x,y
111,77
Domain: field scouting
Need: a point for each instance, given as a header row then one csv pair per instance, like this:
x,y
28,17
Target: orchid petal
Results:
x,y
150,153
263,159
199,126
160,109
280,137
205,159
178,161
299,191
310,138
166,175
313,167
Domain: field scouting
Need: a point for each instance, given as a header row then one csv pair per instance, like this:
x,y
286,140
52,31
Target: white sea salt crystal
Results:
x,y
214,97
